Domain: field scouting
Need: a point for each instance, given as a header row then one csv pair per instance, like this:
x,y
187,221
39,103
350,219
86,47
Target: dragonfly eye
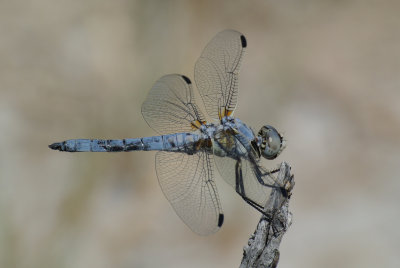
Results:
x,y
271,144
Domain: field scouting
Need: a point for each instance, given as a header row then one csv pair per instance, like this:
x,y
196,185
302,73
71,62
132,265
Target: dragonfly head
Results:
x,y
272,143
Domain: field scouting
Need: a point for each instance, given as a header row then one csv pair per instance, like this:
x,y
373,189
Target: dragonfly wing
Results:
x,y
170,106
188,183
216,72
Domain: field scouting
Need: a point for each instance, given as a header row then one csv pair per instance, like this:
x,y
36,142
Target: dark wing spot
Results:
x,y
187,80
220,220
243,40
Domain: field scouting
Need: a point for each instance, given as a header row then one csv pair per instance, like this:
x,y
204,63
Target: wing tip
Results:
x,y
243,40
187,80
220,220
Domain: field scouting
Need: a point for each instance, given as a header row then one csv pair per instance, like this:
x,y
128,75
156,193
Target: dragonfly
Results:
x,y
188,146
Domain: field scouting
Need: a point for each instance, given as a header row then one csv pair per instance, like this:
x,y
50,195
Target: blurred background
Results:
x,y
325,73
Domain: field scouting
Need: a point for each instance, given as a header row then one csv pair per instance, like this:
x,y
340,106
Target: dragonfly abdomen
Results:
x,y
179,142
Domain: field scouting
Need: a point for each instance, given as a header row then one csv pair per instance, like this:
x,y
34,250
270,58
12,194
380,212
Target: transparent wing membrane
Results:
x,y
188,183
216,72
186,180
170,106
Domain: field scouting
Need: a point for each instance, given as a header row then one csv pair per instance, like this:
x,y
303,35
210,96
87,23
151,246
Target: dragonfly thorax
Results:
x,y
232,138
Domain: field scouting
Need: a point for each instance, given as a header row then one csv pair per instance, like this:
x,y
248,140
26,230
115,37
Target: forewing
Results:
x,y
216,72
170,106
188,183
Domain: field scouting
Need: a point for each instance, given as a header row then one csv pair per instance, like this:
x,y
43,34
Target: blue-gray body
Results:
x,y
178,142
209,137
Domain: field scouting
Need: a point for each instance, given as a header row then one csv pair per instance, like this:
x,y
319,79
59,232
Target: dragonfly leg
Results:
x,y
239,186
241,191
260,173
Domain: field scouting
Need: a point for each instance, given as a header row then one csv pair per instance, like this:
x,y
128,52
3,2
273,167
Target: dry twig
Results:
x,y
263,246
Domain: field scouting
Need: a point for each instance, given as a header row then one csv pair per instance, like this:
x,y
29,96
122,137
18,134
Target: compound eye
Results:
x,y
272,142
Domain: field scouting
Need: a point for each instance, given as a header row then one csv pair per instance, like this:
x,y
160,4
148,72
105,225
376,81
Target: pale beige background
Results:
x,y
326,73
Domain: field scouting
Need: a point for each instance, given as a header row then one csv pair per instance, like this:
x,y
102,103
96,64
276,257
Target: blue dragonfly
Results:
x,y
188,146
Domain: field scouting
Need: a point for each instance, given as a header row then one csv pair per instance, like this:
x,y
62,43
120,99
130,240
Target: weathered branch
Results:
x,y
263,246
